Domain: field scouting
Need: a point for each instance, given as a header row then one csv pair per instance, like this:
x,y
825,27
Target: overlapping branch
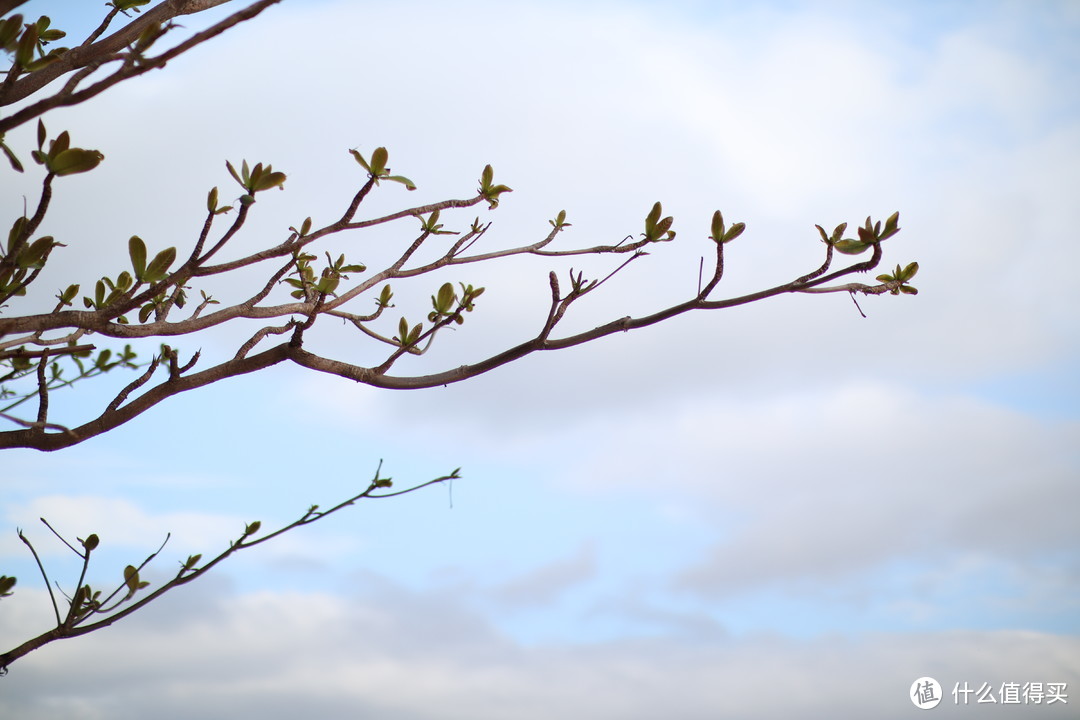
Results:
x,y
42,352
127,48
87,611
155,293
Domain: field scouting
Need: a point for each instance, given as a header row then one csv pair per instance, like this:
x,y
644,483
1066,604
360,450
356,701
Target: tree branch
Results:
x,y
84,55
83,606
104,51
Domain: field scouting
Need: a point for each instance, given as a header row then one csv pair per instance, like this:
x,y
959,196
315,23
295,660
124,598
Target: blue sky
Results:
x,y
717,517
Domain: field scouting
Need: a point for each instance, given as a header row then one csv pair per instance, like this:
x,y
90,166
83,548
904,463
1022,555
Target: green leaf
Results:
x,y
236,177
46,61
652,218
735,231
59,145
68,295
124,5
384,298
851,247
409,184
34,255
891,225
211,200
489,191
102,362
124,281
137,252
90,543
159,266
908,272
9,31
6,584
252,528
24,50
74,160
717,227
655,227
16,165
16,230
378,161
131,579
327,284
264,178
360,159
53,35
444,301
838,232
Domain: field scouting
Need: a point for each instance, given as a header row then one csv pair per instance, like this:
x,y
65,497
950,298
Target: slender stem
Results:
x,y
44,575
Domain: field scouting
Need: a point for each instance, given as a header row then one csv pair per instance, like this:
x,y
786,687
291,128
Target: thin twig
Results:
x,y
44,575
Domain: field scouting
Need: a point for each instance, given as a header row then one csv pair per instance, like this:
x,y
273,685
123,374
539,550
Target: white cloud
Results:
x,y
402,655
545,584
815,483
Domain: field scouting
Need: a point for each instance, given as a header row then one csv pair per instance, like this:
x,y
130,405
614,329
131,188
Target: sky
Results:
x,y
779,510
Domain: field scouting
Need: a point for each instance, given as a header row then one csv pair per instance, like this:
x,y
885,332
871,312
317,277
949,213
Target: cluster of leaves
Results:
x,y
254,180
377,169
720,233
870,236
27,43
20,259
307,286
447,307
658,229
899,278
489,190
62,159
